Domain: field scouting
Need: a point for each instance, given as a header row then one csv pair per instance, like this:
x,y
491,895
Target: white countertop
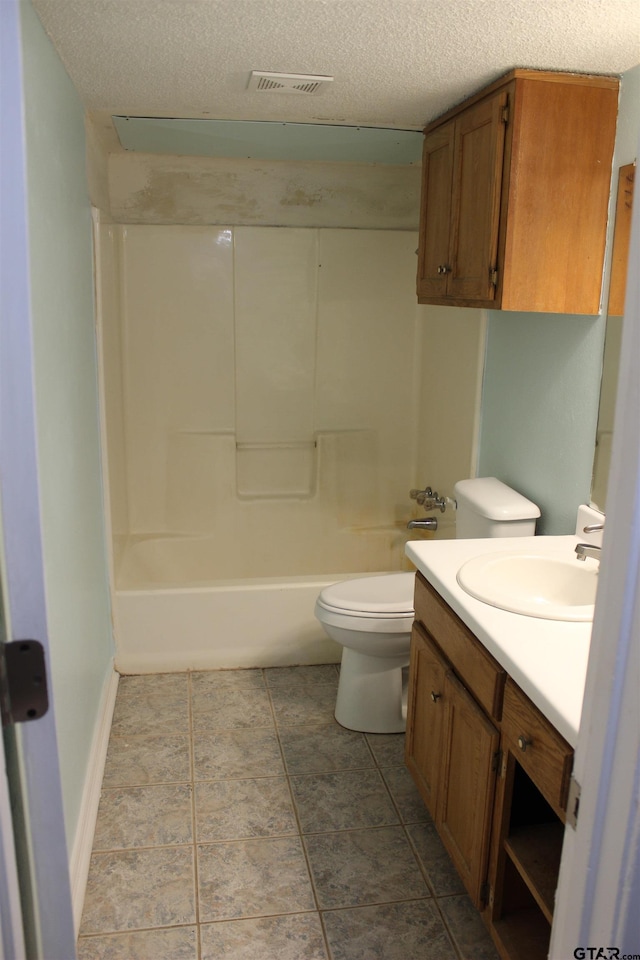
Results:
x,y
546,658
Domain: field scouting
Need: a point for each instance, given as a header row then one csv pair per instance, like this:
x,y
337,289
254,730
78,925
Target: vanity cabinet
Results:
x,y
493,773
515,192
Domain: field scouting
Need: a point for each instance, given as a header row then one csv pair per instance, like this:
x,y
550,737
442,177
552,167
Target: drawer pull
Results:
x,y
523,743
435,696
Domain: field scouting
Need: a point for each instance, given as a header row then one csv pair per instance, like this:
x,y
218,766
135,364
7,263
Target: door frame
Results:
x,y
42,861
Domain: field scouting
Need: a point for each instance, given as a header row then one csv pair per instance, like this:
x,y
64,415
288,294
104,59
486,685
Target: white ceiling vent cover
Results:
x,y
306,83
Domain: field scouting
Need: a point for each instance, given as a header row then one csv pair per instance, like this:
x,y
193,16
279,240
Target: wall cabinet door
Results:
x,y
460,204
435,214
477,178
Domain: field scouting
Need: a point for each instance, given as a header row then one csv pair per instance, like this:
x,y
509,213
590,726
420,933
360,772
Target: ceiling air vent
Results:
x,y
306,83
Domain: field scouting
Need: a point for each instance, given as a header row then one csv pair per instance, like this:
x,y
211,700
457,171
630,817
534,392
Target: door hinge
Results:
x,y
493,276
496,765
24,693
504,115
573,802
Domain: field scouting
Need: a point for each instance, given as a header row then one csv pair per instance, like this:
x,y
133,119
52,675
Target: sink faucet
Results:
x,y
427,523
584,550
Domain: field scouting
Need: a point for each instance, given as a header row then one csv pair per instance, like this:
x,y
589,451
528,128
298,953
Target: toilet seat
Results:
x,y
389,596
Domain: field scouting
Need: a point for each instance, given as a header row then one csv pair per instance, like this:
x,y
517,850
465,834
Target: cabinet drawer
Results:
x,y
477,669
537,746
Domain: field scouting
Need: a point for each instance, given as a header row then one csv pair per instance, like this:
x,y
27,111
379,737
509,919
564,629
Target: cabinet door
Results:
x,y
425,709
435,212
465,800
477,191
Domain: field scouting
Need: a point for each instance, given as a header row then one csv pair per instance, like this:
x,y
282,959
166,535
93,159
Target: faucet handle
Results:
x,y
421,495
593,527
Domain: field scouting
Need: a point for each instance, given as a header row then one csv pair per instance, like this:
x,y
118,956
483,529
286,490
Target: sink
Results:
x,y
554,587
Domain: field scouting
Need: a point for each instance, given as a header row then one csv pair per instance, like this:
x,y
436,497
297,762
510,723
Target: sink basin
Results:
x,y
554,587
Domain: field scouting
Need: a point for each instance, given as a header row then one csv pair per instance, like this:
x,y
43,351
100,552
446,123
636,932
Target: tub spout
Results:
x,y
428,523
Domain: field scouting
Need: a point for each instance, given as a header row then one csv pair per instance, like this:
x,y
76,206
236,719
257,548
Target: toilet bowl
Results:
x,y
371,618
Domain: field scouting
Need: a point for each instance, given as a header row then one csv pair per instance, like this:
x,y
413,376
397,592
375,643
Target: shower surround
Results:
x,y
261,396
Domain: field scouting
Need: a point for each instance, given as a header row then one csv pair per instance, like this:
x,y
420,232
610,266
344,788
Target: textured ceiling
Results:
x,y
396,63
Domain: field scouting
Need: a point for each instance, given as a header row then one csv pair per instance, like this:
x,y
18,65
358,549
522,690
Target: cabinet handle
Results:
x,y
523,743
443,268
435,696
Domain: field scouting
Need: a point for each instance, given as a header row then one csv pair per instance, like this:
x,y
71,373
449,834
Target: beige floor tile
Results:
x,y
387,748
141,760
230,754
405,794
391,931
170,943
323,748
342,801
311,703
224,707
149,816
209,680
467,929
137,889
154,705
295,937
357,867
296,676
240,809
435,860
253,878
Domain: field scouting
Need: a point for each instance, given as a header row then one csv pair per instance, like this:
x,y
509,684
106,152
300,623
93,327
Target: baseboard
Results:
x,y
83,842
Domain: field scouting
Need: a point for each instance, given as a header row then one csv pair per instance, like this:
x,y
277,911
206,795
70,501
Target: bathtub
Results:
x,y
167,620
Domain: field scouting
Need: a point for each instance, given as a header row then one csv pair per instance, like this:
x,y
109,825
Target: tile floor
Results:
x,y
239,820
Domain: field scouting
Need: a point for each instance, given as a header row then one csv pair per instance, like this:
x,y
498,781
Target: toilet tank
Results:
x,y
489,508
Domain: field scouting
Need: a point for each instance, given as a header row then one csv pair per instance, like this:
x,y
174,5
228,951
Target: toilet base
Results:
x,y
370,695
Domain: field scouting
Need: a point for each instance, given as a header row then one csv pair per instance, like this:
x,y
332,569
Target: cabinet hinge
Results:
x,y
496,764
573,802
504,116
493,276
23,682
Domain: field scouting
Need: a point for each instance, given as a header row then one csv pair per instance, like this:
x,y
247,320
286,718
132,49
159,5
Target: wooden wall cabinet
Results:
x,y
493,773
515,193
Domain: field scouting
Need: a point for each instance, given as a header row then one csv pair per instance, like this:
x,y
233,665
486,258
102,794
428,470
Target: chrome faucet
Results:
x,y
584,550
427,523
429,499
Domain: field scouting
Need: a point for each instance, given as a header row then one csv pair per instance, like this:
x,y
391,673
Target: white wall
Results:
x,y
66,406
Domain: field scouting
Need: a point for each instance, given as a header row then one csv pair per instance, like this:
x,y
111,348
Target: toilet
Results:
x,y
371,617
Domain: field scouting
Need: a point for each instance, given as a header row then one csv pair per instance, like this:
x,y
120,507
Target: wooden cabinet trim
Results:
x,y
546,76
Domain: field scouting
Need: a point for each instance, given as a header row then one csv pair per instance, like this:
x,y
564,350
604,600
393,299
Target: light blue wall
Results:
x,y
542,385
66,405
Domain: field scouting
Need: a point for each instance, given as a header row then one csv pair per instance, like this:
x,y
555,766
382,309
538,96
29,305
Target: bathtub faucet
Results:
x,y
427,523
429,499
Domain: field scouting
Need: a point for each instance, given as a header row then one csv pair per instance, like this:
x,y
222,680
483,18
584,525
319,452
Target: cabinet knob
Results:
x,y
443,268
523,743
435,696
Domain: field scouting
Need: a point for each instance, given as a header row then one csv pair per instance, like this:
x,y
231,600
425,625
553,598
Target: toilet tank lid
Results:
x,y
493,499
389,593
